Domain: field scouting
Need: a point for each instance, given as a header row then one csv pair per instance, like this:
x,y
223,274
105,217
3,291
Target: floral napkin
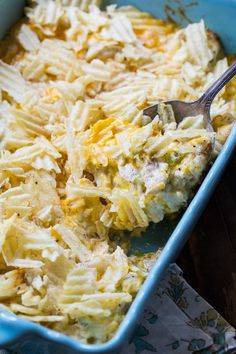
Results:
x,y
177,321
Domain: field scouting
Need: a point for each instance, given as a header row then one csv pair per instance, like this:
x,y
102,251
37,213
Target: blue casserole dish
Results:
x,y
26,337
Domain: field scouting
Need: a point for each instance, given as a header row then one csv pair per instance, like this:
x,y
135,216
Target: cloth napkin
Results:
x,y
176,321
179,321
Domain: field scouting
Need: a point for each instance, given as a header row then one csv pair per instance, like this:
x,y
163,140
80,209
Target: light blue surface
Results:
x,y
219,16
10,12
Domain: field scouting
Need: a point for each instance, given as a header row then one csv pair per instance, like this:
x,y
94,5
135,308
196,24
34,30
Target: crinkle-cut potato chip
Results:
x,y
45,16
197,45
119,29
79,162
28,38
82,4
9,283
72,241
83,114
12,82
97,70
59,59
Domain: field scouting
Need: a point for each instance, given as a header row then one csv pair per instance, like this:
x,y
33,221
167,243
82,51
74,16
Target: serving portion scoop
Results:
x,y
202,106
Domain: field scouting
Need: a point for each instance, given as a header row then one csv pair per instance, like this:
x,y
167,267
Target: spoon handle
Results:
x,y
212,91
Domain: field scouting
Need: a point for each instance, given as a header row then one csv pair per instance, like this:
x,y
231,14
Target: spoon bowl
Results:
x,y
202,106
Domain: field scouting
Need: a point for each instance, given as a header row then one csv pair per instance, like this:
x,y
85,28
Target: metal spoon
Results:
x,y
202,106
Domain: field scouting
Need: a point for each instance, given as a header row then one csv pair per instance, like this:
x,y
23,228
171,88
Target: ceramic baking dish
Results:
x,y
26,337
